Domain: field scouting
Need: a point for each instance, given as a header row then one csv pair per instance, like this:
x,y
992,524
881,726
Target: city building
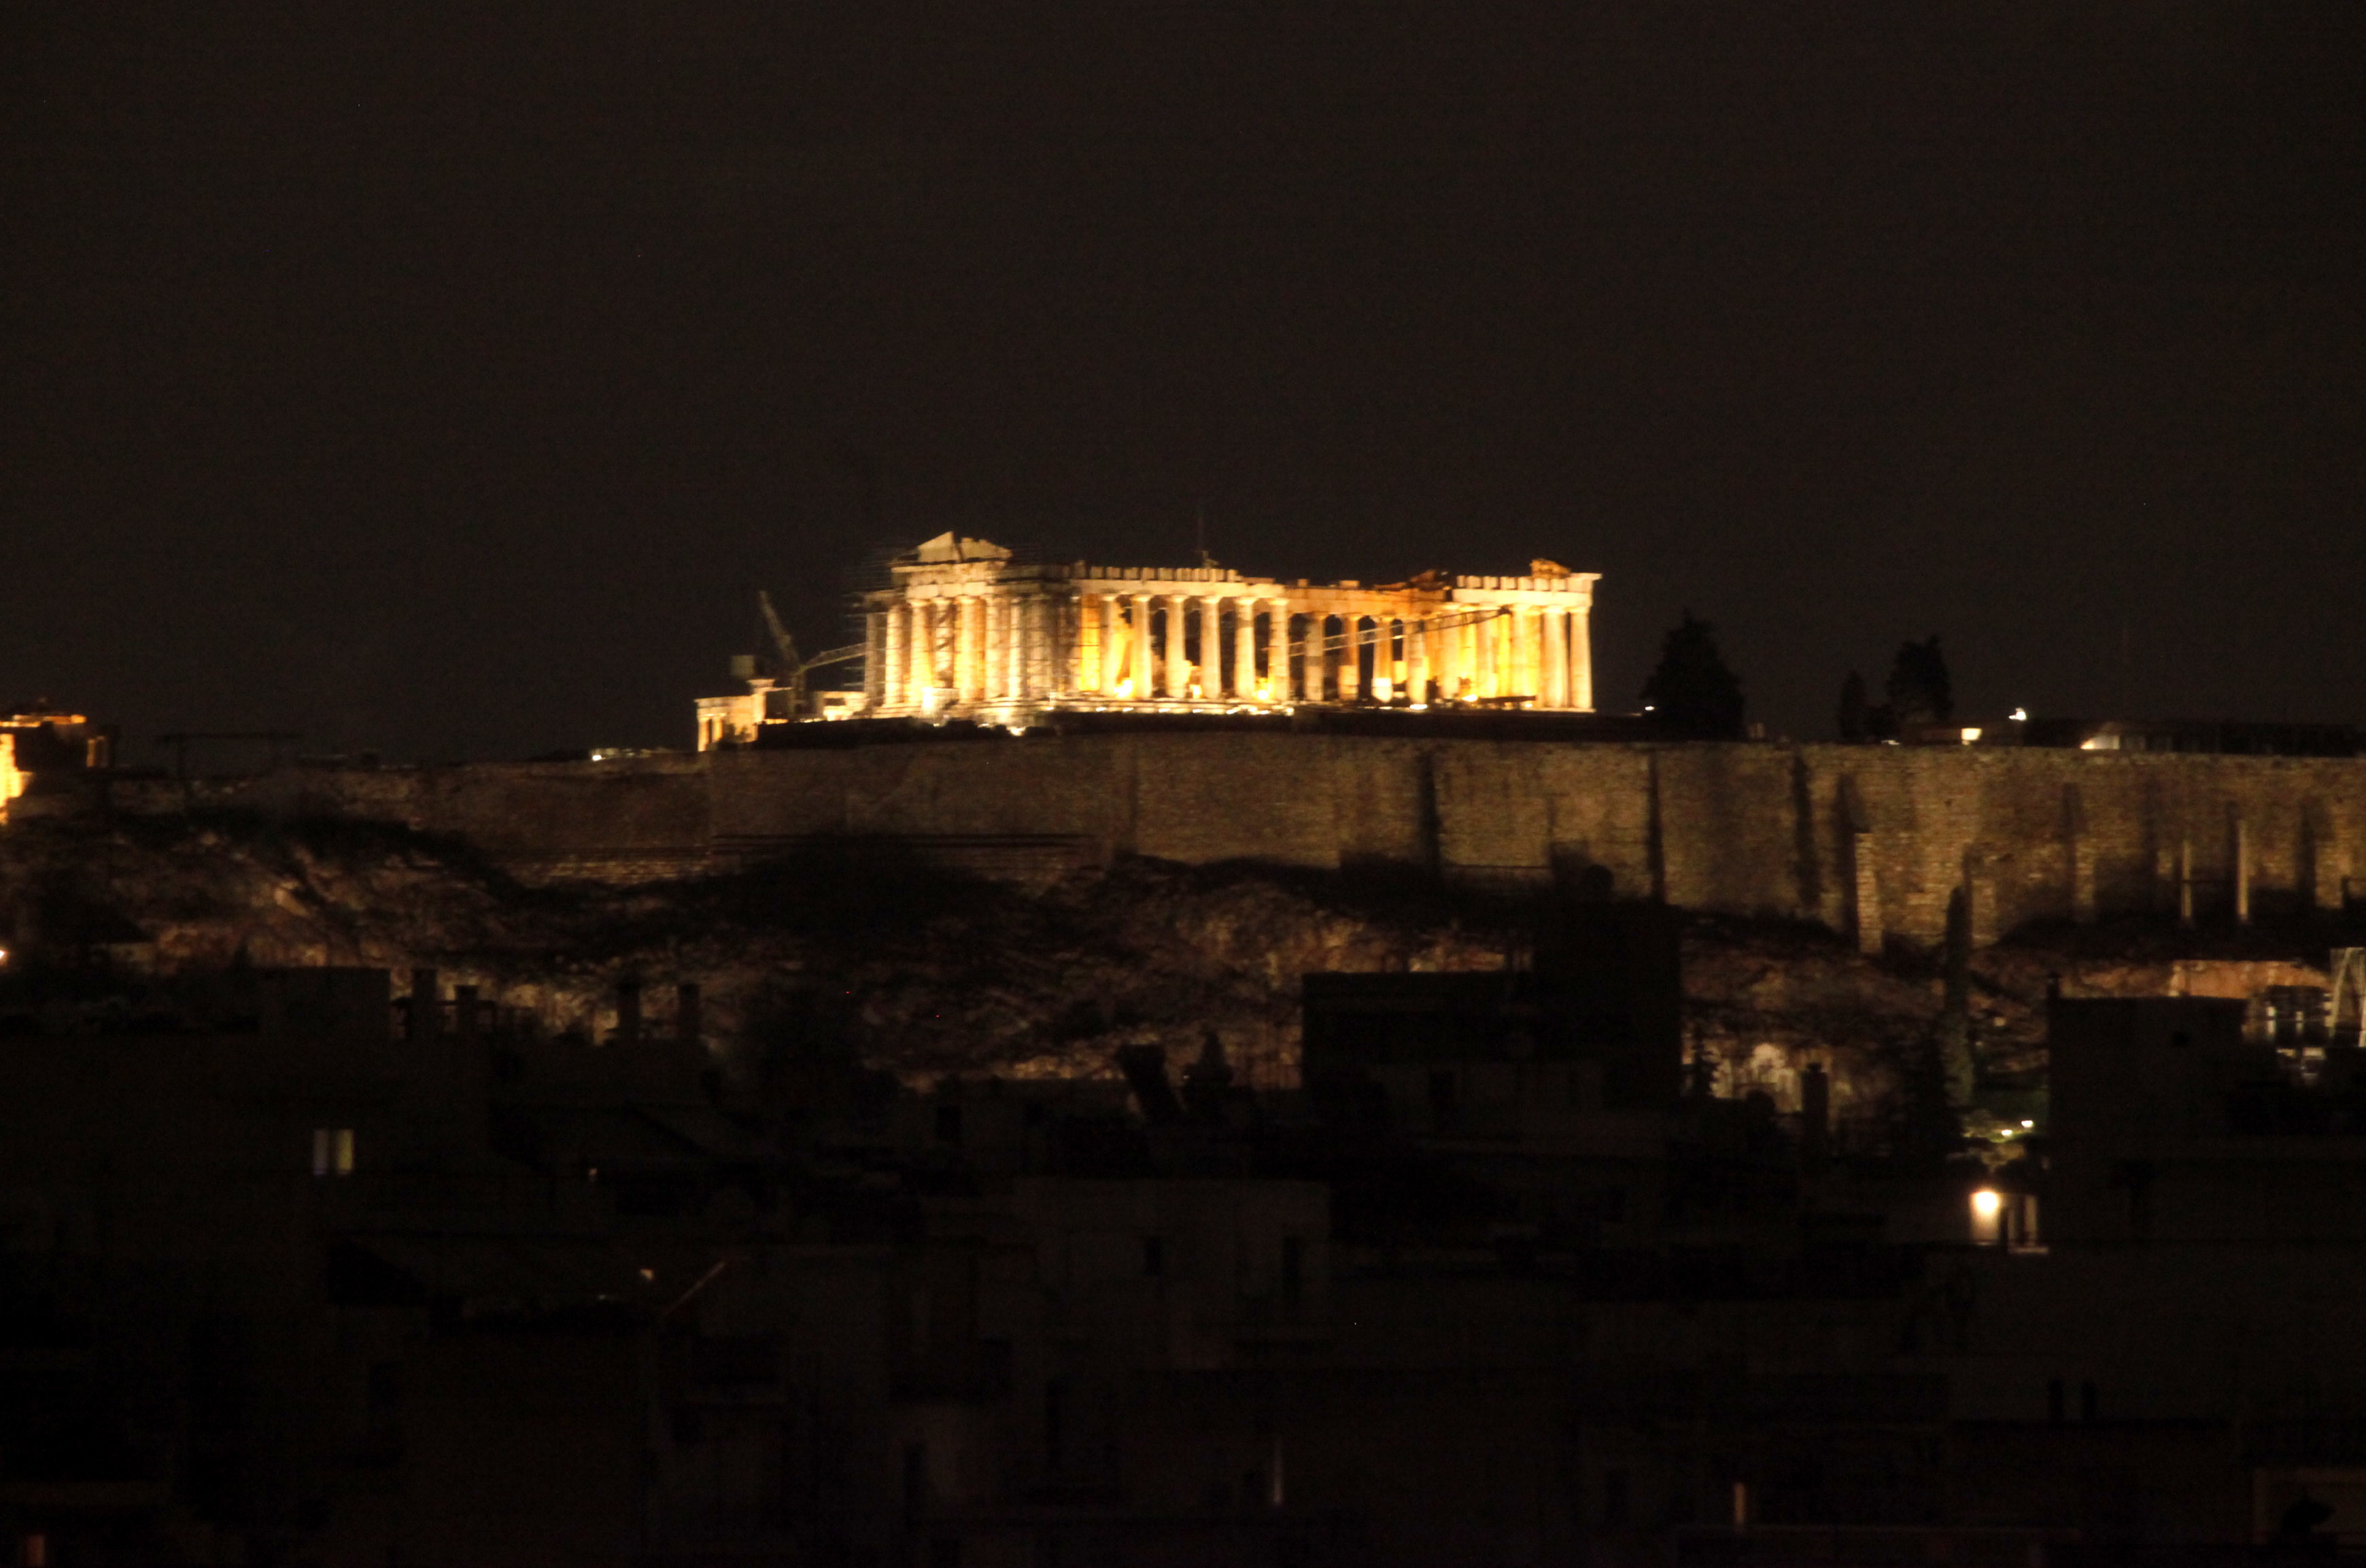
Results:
x,y
41,741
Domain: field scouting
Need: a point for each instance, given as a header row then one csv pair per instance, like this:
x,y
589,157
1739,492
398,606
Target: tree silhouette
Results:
x,y
1918,691
1856,717
1693,693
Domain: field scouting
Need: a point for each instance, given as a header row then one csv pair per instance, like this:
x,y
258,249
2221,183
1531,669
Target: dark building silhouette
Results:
x,y
295,1270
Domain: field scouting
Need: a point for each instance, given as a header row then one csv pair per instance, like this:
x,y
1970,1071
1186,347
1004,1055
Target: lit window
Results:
x,y
333,1151
1988,1208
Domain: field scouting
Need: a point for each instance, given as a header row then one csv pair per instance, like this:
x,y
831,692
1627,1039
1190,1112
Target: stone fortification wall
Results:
x,y
1866,839
624,820
1871,840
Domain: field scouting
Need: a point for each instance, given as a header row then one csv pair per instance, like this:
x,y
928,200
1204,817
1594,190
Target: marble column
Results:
x,y
1014,657
1178,645
1162,637
1581,660
1047,650
978,669
908,686
1026,660
916,653
1138,661
1166,662
1060,642
945,650
991,641
1112,643
964,646
1206,622
874,658
1277,650
947,665
895,657
999,636
1315,657
983,651
1482,657
1020,645
1244,649
1556,660
1417,661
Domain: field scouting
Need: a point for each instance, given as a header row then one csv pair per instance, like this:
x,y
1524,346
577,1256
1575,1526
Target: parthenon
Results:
x,y
966,630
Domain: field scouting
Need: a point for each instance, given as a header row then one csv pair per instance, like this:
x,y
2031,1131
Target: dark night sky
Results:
x,y
445,381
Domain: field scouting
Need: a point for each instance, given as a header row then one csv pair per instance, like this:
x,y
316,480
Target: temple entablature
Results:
x,y
966,629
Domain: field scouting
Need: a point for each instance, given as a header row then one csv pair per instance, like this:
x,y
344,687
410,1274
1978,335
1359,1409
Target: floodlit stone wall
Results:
x,y
1868,840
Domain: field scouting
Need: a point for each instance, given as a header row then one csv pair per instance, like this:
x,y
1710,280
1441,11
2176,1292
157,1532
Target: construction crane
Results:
x,y
794,667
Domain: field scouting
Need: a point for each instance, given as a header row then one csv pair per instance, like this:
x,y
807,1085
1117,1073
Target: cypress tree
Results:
x,y
1693,692
1919,691
1856,711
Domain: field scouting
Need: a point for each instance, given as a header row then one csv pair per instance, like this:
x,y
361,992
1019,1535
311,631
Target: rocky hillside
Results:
x,y
929,972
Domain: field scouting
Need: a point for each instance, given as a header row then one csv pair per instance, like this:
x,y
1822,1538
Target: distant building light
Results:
x,y
1971,733
2020,716
1988,1208
333,1151
2028,1124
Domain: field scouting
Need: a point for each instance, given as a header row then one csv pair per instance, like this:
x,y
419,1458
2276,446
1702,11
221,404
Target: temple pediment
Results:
x,y
949,546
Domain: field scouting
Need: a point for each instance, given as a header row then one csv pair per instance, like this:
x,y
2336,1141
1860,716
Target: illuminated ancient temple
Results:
x,y
966,630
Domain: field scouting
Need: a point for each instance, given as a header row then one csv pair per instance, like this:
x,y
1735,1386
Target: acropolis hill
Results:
x,y
1869,841
1173,782
1028,721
